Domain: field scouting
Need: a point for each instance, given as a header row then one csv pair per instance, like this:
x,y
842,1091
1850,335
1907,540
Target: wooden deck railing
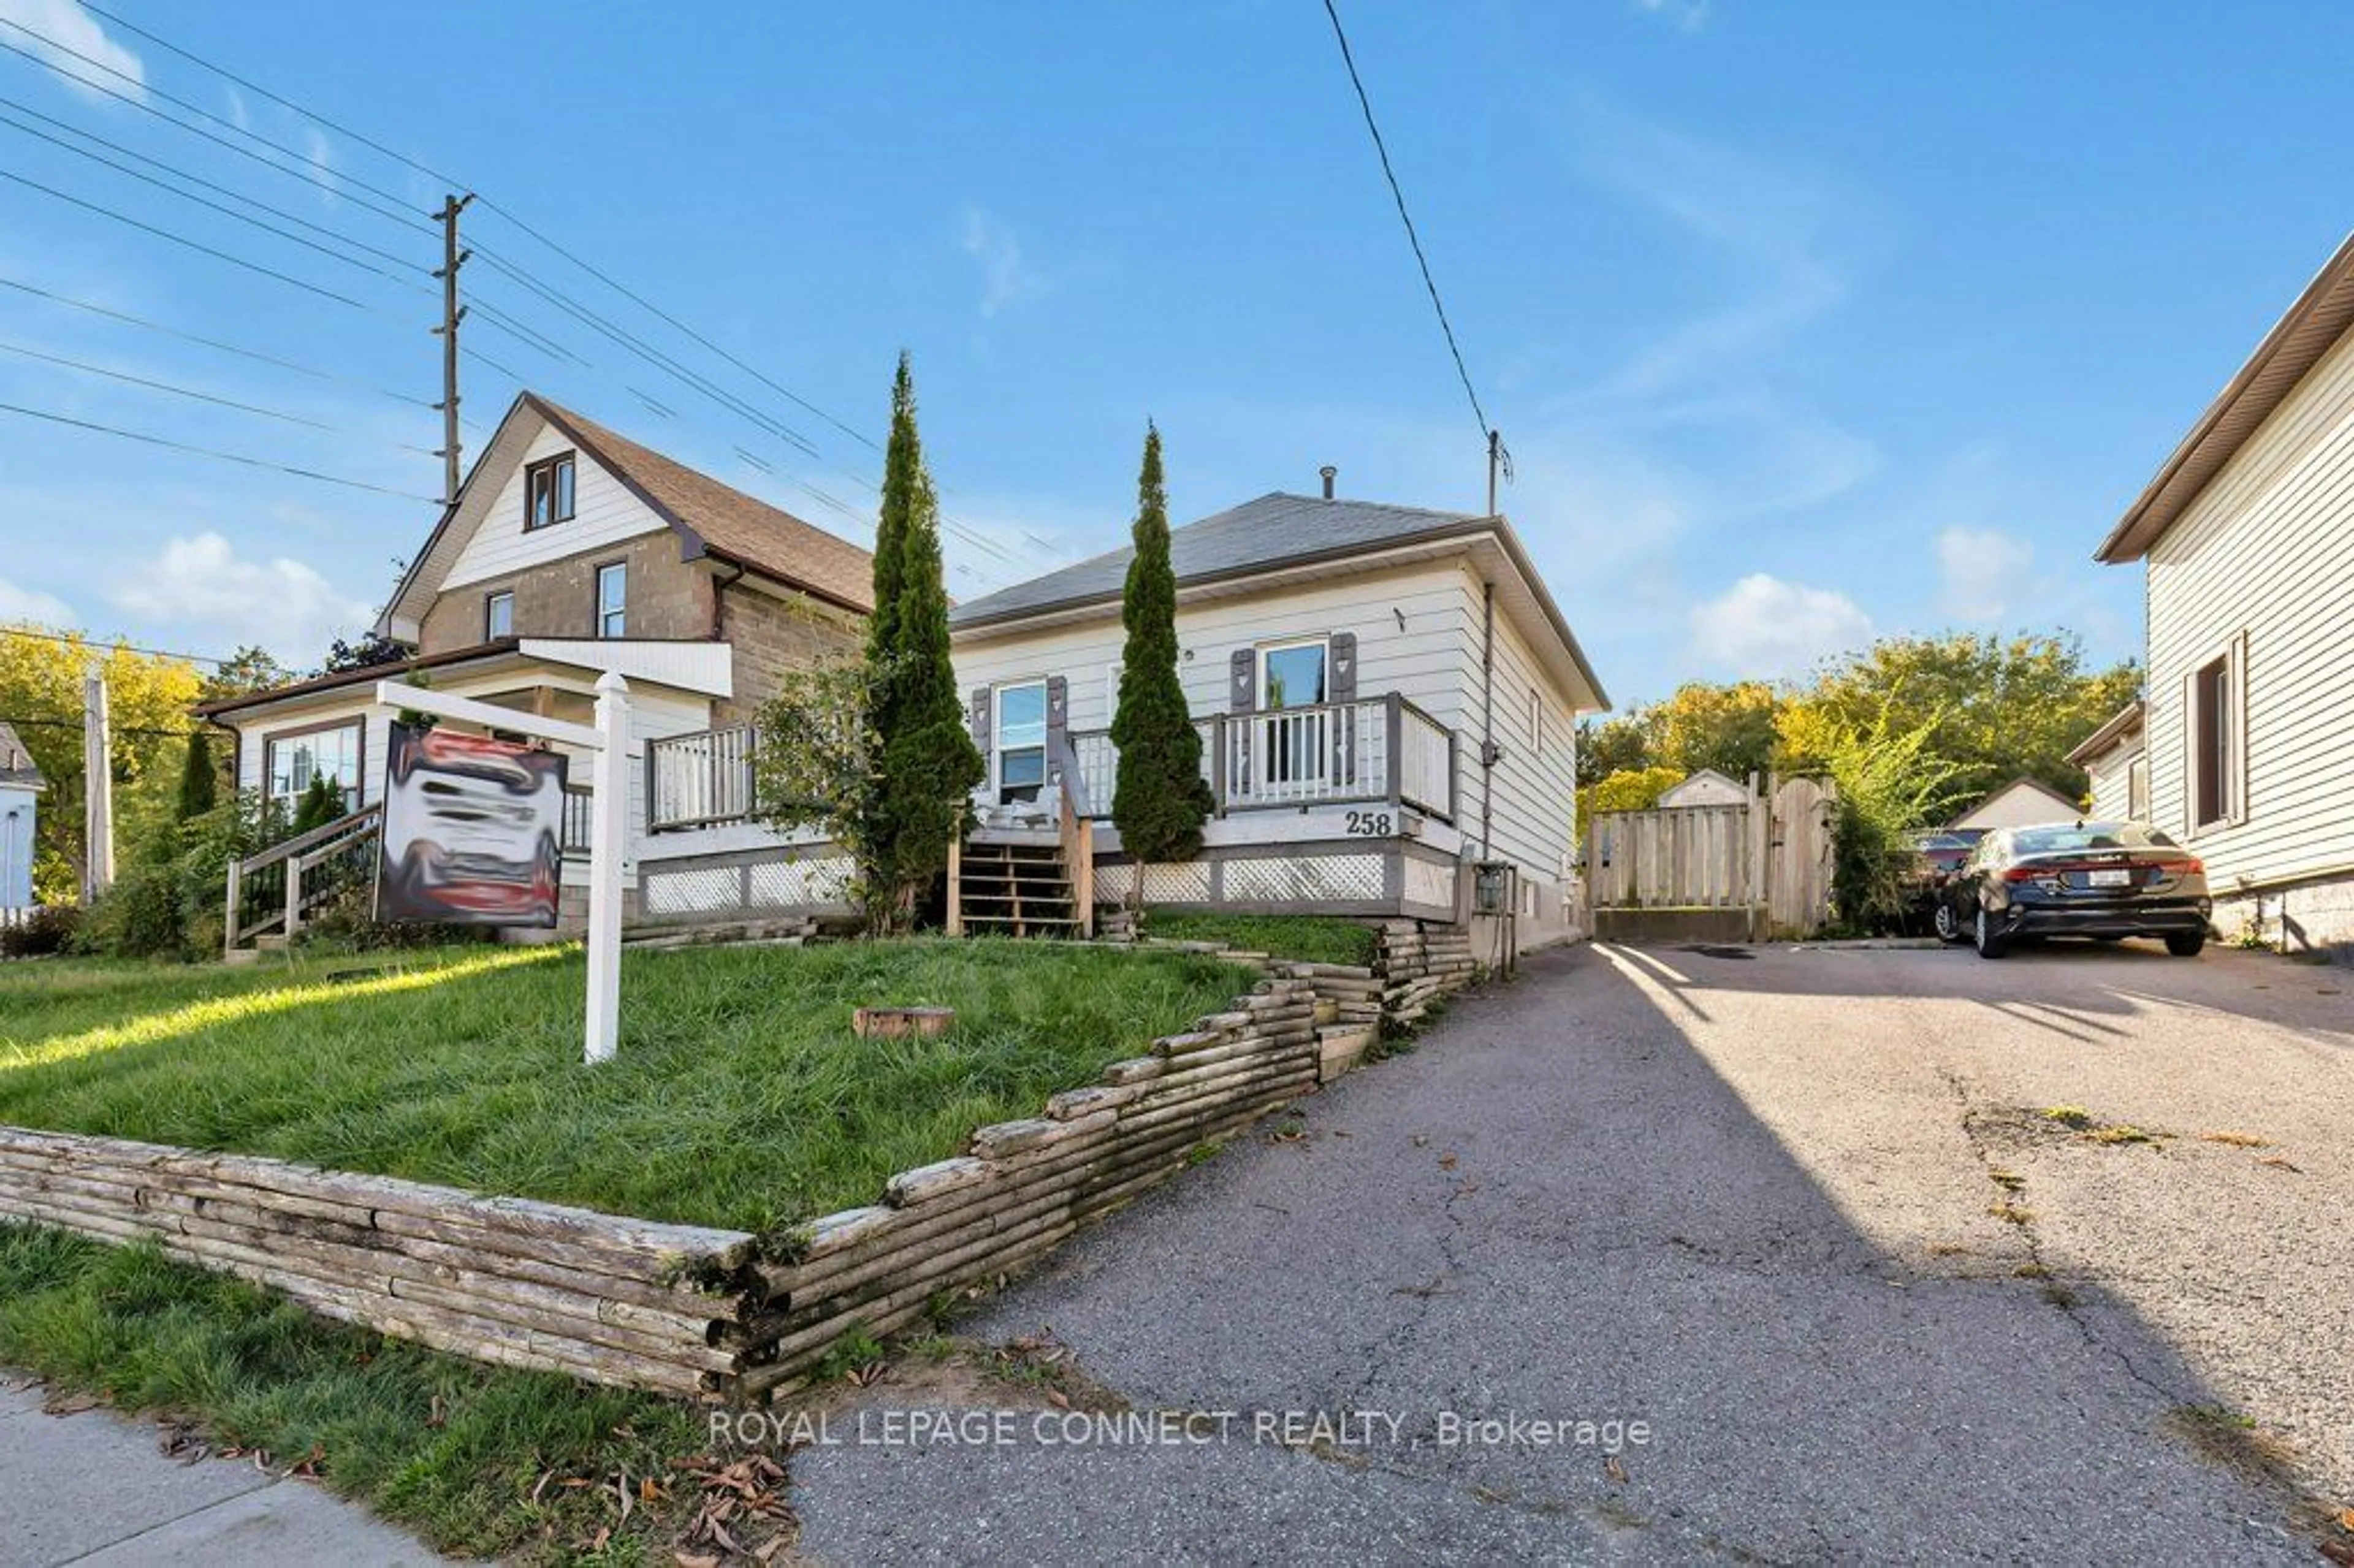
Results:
x,y
1378,748
701,780
272,893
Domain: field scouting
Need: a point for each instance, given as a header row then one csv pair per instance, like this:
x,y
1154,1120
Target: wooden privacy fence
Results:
x,y
1747,872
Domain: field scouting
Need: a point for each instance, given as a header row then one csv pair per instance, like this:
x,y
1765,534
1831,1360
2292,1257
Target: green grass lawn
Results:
x,y
477,1460
1309,938
739,1096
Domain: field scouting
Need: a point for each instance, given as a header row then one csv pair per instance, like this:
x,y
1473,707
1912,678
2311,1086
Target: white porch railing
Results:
x,y
1379,748
698,779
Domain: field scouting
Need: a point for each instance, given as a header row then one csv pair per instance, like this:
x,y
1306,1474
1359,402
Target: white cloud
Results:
x,y
75,30
1982,569
23,603
202,583
1005,277
1685,15
1762,628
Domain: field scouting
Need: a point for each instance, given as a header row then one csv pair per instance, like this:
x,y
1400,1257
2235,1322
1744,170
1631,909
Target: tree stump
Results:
x,y
896,1022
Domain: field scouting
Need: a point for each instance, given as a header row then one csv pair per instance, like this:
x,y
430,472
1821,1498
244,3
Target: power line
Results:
x,y
259,90
111,728
211,452
124,376
154,326
181,104
103,211
85,640
1413,238
180,174
306,175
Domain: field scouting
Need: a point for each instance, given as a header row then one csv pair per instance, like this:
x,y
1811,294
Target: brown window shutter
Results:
x,y
1242,697
981,719
1341,687
1058,712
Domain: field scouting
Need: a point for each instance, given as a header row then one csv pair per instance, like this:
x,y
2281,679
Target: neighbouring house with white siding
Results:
x,y
1705,788
21,786
1387,695
2115,760
570,551
2246,539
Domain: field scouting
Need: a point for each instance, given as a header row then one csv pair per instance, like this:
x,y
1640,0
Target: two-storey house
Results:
x,y
571,550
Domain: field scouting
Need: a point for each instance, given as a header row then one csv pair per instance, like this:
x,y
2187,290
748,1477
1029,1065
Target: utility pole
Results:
x,y
452,312
1499,460
97,788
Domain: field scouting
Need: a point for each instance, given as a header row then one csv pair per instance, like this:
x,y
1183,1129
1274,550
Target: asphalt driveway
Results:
x,y
1800,1213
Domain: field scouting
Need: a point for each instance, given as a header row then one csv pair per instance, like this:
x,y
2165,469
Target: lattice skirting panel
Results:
x,y
1430,884
688,891
795,882
1310,878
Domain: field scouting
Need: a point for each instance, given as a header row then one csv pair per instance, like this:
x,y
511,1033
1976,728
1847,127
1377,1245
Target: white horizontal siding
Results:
x,y
604,512
2268,550
1418,634
2111,775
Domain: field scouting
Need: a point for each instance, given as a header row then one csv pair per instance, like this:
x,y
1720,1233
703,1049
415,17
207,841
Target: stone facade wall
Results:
x,y
770,636
669,598
2317,917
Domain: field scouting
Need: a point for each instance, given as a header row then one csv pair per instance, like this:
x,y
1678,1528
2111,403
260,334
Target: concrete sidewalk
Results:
x,y
95,1488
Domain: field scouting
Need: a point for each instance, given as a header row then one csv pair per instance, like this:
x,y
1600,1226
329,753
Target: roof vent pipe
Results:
x,y
1330,473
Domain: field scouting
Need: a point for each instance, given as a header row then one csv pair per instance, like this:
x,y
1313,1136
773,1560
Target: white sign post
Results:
x,y
609,823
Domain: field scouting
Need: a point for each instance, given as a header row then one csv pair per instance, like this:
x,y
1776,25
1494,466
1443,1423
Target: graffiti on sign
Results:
x,y
472,829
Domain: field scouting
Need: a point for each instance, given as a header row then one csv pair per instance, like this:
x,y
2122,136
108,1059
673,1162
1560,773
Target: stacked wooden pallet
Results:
x,y
1421,964
1024,1186
788,932
506,1280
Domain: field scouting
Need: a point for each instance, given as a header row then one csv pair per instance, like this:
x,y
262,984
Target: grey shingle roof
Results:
x,y
17,764
1275,530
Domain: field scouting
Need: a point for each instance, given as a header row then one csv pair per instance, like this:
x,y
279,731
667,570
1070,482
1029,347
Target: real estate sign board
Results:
x,y
474,830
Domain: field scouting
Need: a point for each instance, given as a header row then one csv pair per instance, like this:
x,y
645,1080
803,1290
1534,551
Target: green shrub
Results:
x,y
49,929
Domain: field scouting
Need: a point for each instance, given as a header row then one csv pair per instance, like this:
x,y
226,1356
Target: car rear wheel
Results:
x,y
2185,944
1990,943
1946,923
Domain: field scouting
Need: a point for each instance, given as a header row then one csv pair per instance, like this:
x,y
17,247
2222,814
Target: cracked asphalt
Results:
x,y
1751,1203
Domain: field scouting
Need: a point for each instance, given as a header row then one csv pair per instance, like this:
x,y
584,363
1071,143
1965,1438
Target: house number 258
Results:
x,y
1371,824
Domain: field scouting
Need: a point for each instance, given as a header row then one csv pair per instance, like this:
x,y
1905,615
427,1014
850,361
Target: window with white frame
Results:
x,y
498,614
2215,732
289,762
613,599
547,491
2138,788
1020,740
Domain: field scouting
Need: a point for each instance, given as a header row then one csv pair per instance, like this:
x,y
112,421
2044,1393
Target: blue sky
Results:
x,y
1804,321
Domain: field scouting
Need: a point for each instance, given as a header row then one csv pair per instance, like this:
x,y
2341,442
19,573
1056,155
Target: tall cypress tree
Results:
x,y
927,765
199,784
1160,800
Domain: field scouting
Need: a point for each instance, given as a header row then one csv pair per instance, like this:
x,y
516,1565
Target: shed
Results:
x,y
1705,788
2021,803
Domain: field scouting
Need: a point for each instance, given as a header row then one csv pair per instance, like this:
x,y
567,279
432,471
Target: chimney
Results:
x,y
1330,473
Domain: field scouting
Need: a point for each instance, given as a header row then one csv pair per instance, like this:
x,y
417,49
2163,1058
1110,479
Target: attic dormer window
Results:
x,y
547,491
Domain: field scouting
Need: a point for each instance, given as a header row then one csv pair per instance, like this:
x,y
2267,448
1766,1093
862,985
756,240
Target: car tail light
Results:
x,y
2027,874
2189,866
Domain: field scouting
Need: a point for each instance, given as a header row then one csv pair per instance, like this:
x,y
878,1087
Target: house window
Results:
x,y
291,761
547,491
613,599
1021,738
2138,788
498,614
1297,747
2212,707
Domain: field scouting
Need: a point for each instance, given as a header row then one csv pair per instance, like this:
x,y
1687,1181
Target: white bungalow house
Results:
x,y
2021,803
572,550
21,786
2246,537
1388,699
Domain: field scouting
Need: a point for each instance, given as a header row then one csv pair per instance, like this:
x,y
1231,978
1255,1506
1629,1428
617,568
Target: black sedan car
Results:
x,y
2104,880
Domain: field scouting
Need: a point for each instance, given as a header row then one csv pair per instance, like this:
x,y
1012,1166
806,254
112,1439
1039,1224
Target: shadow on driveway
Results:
x,y
1563,1205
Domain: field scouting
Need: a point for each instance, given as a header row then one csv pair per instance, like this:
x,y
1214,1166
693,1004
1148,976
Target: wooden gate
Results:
x,y
1743,872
